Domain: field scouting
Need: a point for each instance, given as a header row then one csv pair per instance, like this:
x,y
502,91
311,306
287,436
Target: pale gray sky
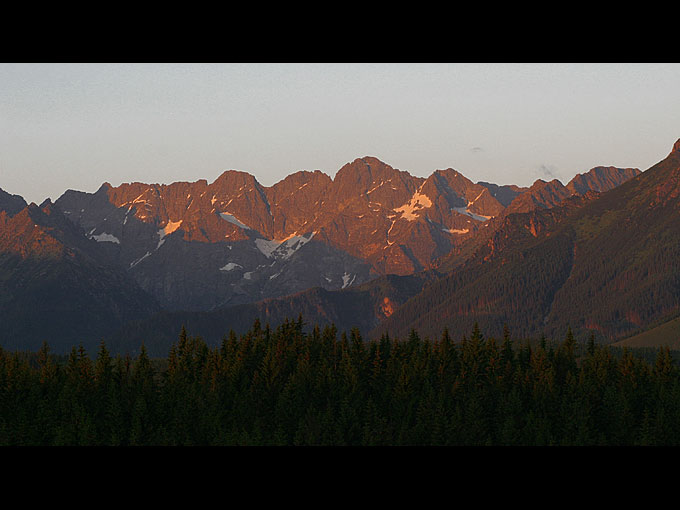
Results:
x,y
78,125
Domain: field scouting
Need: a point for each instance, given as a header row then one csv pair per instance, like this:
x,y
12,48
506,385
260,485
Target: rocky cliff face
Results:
x,y
199,245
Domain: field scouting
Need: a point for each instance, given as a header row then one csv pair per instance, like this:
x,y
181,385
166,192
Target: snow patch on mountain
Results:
x,y
478,196
466,212
135,262
104,237
231,266
282,249
375,187
346,282
233,219
167,230
291,245
267,246
456,231
409,211
390,243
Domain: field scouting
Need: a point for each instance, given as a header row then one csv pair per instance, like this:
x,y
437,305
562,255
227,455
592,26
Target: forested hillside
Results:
x,y
283,386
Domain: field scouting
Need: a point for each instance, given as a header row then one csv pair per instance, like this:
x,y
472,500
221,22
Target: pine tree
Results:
x,y
664,369
507,353
591,345
103,367
48,368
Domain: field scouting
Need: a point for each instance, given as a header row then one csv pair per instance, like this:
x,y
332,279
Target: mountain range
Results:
x,y
373,247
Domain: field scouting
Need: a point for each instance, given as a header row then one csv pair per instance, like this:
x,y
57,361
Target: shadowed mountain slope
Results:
x,y
609,266
58,286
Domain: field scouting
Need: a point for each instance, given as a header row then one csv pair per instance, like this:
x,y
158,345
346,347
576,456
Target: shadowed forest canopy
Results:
x,y
283,386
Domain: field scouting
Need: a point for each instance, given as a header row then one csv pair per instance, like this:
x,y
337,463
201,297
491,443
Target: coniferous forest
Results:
x,y
284,386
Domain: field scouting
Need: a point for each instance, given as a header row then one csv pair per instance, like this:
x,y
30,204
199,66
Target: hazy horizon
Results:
x,y
76,126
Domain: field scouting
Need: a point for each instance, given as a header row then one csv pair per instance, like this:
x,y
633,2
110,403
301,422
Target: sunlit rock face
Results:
x,y
200,245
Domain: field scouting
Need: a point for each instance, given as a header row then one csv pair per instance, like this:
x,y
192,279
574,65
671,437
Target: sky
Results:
x,y
78,125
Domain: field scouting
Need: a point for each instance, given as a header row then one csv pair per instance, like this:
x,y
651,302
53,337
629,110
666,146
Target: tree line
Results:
x,y
285,386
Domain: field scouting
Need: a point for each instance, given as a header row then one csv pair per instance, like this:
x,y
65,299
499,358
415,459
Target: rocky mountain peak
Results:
x,y
540,195
234,178
601,178
11,204
24,235
298,181
667,179
362,170
504,194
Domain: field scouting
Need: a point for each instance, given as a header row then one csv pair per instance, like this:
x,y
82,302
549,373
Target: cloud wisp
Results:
x,y
548,172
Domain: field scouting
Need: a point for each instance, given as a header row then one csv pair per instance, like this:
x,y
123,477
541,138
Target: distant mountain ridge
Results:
x,y
201,245
601,179
198,246
11,204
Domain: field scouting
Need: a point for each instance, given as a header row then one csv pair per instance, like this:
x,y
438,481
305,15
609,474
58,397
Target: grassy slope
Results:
x,y
667,334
